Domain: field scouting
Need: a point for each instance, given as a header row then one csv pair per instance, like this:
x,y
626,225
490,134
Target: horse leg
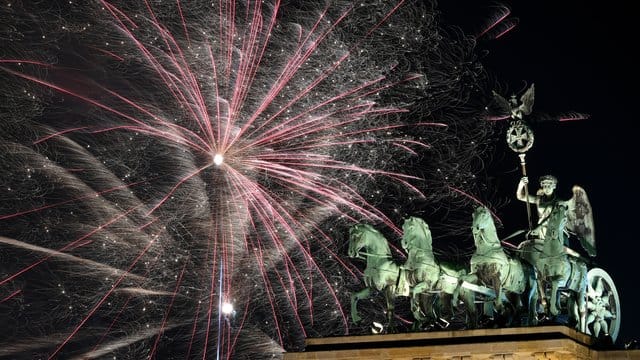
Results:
x,y
445,305
416,304
390,297
553,306
532,303
576,306
582,299
361,295
432,307
542,294
515,307
496,285
422,310
582,310
469,300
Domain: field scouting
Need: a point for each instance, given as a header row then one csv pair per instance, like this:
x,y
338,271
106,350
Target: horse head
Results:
x,y
367,237
483,227
555,224
416,234
356,240
482,218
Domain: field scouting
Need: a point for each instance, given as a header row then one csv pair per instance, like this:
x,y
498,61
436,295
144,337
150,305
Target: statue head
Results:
x,y
513,101
548,184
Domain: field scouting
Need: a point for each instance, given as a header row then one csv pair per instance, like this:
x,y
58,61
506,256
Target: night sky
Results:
x,y
579,56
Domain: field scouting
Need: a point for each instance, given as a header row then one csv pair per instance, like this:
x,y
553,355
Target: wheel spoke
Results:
x,y
603,305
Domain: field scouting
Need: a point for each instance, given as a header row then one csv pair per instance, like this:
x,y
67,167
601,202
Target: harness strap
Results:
x,y
375,255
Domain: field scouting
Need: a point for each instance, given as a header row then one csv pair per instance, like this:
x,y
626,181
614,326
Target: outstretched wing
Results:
x,y
502,103
580,219
526,101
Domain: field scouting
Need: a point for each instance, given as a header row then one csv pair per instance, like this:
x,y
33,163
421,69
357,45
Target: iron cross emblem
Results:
x,y
519,137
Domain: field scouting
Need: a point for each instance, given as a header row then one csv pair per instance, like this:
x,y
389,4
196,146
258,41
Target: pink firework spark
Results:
x,y
250,122
168,159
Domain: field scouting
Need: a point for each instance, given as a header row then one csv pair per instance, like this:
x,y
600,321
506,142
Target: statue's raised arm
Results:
x,y
523,195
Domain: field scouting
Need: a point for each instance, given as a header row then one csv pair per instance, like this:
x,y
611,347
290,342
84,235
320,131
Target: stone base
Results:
x,y
531,343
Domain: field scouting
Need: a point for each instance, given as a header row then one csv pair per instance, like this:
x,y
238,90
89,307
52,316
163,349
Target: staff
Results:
x,y
520,139
519,134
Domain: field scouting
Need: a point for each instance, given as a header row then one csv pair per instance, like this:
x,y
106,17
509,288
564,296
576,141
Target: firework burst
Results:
x,y
164,161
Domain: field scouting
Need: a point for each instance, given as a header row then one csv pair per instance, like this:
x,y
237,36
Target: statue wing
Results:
x,y
580,219
526,100
502,103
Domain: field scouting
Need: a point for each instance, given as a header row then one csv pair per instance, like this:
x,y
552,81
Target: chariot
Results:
x,y
539,281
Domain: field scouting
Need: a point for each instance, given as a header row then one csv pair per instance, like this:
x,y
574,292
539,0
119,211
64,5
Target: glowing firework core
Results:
x,y
227,308
218,159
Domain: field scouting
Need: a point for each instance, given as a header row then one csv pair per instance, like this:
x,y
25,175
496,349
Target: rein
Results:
x,y
374,255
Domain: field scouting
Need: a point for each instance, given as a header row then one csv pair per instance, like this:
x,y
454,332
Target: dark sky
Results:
x,y
579,55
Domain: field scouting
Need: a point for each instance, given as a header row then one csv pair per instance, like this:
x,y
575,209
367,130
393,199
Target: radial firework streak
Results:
x,y
206,160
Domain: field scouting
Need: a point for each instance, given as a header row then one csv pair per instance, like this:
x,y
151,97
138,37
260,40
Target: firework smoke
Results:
x,y
161,159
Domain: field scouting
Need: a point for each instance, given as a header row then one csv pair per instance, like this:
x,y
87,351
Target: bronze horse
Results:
x,y
512,280
557,270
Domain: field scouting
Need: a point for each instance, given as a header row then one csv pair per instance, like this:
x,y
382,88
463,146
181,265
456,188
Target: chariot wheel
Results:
x,y
603,305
